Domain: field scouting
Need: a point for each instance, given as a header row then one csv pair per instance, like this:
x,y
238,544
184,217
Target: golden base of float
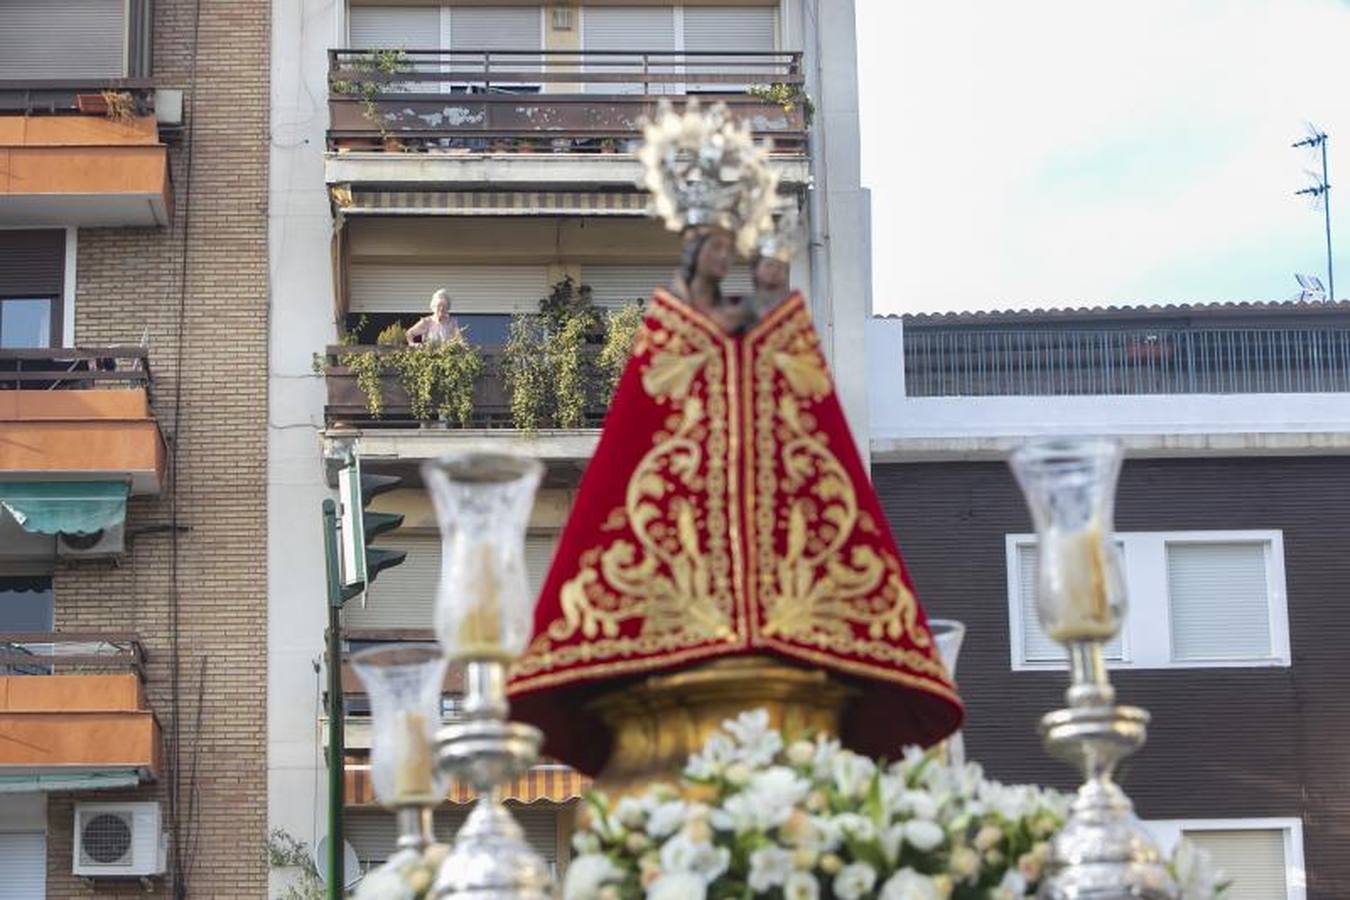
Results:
x,y
657,723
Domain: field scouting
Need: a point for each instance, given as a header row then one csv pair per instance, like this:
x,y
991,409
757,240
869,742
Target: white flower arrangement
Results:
x,y
806,820
407,875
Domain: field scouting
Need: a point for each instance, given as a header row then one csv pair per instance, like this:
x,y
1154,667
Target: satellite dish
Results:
x,y
351,866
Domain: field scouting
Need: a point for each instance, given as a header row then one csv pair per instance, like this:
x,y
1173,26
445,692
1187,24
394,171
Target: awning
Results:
x,y
545,783
66,507
490,203
70,781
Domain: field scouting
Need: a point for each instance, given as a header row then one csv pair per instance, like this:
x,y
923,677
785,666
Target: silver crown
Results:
x,y
703,169
781,236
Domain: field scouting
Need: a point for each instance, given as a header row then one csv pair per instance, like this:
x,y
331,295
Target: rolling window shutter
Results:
x,y
23,860
1252,859
394,27
404,596
540,824
613,286
403,288
67,40
1219,600
495,28
642,28
730,28
372,833
1037,646
32,263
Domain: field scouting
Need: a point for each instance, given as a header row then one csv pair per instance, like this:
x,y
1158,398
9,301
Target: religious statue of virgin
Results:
x,y
725,550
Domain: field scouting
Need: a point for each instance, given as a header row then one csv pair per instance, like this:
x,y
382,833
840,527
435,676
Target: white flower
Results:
x,y
851,773
801,753
1195,873
666,818
678,886
854,880
892,839
923,835
822,835
630,813
988,837
757,745
738,773
710,762
908,884
963,863
586,874
679,854
856,826
769,867
584,842
801,886
919,805
826,750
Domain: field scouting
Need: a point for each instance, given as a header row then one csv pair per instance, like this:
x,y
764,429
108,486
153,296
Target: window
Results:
x,y
32,285
1263,858
74,39
25,606
1196,599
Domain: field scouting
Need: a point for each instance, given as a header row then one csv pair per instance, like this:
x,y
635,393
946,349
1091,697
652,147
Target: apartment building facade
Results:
x,y
484,148
132,407
1230,520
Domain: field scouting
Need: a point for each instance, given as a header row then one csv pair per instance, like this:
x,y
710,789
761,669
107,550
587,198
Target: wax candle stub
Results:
x,y
1079,583
412,758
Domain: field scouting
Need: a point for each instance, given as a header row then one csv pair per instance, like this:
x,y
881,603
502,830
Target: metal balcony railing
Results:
x,y
68,368
68,652
544,100
1002,362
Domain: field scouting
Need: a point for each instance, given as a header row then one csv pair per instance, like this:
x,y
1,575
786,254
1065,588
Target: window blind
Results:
x,y
730,28
373,833
23,860
1219,599
1253,859
495,28
1037,646
407,288
72,39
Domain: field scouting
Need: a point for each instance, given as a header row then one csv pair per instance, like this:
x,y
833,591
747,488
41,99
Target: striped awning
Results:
x,y
547,783
489,203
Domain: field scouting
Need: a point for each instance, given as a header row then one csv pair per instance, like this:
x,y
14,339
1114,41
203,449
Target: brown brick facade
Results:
x,y
128,282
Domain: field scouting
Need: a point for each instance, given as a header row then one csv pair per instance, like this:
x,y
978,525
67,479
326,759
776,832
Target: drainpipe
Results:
x,y
818,193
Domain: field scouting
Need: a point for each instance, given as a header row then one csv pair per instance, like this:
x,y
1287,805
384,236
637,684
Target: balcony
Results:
x,y
531,119
79,414
84,154
73,712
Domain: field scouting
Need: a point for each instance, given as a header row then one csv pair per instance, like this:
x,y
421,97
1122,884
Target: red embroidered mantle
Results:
x,y
726,512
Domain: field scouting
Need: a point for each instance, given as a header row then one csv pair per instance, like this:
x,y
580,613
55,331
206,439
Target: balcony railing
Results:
x,y
74,368
348,403
979,362
560,101
70,653
73,95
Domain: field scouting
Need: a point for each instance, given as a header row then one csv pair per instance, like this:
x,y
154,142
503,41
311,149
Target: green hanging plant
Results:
x,y
564,349
788,96
525,372
621,327
439,379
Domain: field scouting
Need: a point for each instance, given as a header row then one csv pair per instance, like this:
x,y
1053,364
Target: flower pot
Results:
x,y
91,104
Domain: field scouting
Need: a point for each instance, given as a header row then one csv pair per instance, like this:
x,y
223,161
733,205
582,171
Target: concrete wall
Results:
x,y
301,287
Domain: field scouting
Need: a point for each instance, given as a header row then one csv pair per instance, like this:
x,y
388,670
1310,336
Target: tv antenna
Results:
x,y
1320,191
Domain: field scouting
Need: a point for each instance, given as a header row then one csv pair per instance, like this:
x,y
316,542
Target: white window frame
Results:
x,y
1146,637
1168,831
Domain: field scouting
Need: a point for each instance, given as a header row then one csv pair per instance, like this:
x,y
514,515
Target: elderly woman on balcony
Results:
x,y
438,327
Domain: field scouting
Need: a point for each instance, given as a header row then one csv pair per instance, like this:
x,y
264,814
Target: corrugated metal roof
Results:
x,y
1094,315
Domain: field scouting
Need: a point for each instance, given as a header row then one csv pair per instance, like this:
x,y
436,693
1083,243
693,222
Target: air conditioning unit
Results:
x,y
119,840
100,544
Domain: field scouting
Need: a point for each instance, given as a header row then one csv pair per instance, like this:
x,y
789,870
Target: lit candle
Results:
x,y
412,758
1079,587
477,633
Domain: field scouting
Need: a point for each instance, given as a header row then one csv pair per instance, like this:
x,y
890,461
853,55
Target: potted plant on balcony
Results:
x,y
789,97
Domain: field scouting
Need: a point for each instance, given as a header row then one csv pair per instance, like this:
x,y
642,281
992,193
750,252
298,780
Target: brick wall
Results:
x,y
129,281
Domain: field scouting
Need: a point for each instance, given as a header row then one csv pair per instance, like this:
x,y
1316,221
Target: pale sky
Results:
x,y
1046,153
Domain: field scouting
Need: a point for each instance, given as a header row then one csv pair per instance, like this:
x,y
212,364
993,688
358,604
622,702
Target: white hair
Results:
x,y
441,294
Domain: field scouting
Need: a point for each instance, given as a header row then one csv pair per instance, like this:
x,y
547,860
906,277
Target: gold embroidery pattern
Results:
x,y
810,590
676,580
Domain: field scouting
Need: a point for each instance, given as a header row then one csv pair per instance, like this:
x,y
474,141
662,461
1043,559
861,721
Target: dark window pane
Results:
x,y
25,323
26,604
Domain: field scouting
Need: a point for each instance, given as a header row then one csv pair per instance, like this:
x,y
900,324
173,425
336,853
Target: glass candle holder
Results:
x,y
404,683
484,610
949,634
1070,488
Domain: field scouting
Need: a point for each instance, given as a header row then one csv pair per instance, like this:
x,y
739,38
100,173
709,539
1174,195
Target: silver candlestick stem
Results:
x,y
491,859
